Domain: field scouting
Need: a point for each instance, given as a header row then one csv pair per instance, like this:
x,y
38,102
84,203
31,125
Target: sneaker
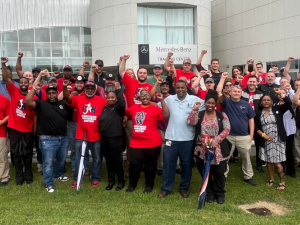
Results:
x,y
50,189
3,184
250,181
74,184
62,178
95,183
40,167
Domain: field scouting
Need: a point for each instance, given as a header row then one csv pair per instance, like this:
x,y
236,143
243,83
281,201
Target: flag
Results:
x,y
81,169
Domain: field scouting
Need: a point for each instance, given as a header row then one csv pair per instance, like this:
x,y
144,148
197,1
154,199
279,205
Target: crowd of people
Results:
x,y
164,123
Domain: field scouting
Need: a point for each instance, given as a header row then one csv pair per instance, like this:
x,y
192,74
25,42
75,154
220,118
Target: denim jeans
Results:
x,y
71,130
183,149
94,146
52,147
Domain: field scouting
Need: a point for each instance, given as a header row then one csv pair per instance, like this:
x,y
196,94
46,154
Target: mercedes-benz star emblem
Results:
x,y
144,49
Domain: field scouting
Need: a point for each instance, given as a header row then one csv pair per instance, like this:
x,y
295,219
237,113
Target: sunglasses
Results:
x,y
144,96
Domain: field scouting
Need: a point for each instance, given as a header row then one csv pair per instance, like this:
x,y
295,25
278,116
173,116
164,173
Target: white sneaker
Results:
x,y
40,167
62,178
50,189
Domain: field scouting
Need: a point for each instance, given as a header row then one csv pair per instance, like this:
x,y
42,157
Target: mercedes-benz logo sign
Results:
x,y
144,49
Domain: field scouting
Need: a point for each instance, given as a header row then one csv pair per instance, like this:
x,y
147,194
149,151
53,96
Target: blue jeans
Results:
x,y
94,146
52,147
184,150
71,130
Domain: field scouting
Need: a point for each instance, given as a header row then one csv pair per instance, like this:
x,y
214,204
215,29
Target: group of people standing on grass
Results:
x,y
162,122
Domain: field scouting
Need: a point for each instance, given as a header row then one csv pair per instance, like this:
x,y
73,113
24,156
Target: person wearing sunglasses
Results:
x,y
146,141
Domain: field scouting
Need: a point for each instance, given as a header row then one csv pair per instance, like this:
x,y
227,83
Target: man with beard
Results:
x,y
21,127
157,71
96,73
89,108
132,90
3,90
67,75
72,127
52,132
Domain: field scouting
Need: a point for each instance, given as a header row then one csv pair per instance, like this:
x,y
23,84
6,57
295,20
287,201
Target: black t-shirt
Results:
x,y
100,80
51,117
269,89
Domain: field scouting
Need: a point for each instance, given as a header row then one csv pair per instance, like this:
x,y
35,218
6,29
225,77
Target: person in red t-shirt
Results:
x,y
237,74
21,126
4,163
209,84
146,141
67,72
132,90
257,70
186,72
89,107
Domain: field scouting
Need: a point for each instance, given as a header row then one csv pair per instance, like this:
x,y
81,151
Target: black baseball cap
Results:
x,y
90,83
67,67
165,82
51,88
37,69
80,78
99,62
110,76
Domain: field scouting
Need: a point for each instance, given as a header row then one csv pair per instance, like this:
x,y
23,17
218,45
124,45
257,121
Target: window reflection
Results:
x,y
28,64
44,64
57,34
27,49
87,50
73,34
74,50
26,35
10,49
42,49
42,35
10,37
57,50
58,64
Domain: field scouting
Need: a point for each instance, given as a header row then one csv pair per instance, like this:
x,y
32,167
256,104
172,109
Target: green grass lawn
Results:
x,y
31,204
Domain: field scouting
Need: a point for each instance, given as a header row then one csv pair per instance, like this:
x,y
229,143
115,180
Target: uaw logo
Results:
x,y
88,108
21,105
140,117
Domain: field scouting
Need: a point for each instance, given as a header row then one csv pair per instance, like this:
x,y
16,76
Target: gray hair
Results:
x,y
236,86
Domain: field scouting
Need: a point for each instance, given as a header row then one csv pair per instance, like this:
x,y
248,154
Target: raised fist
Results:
x,y
56,73
197,105
202,73
74,93
239,78
94,67
203,52
159,80
66,83
288,86
117,85
85,63
225,75
208,73
251,60
4,59
20,55
291,59
159,96
126,57
170,54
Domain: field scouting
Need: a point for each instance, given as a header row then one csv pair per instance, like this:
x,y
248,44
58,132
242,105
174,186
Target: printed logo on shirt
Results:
x,y
88,118
242,107
21,108
139,119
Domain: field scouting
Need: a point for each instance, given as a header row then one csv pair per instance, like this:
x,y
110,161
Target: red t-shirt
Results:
x,y
75,112
251,99
262,78
133,88
145,133
4,111
89,110
60,84
42,93
181,73
242,83
201,94
20,116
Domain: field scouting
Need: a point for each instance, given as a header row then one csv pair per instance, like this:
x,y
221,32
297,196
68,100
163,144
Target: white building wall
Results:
x,y
114,28
28,14
265,30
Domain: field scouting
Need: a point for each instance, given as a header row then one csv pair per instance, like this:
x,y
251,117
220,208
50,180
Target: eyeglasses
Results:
x,y
144,96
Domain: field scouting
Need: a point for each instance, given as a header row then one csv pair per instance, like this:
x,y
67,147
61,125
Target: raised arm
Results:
x,y
19,66
84,64
221,83
164,106
91,76
296,97
203,52
122,67
167,61
35,89
287,67
246,70
5,75
153,90
66,92
195,85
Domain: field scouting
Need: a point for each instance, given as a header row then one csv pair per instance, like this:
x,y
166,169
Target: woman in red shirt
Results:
x,y
146,141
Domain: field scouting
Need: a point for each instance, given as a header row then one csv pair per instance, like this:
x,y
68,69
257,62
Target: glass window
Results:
x,y
74,50
58,50
175,35
57,34
143,34
10,36
44,63
12,61
156,16
73,34
87,50
175,17
26,35
189,35
189,17
28,64
42,49
142,15
86,35
157,35
76,64
42,35
58,64
27,49
10,49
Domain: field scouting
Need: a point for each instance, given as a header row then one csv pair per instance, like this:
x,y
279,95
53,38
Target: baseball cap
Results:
x,y
209,80
80,78
110,76
67,68
92,83
52,79
187,60
165,82
157,66
51,88
99,62
37,69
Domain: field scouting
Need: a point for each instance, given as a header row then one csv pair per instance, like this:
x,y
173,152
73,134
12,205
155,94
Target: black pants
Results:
x,y
216,181
140,157
112,149
288,165
259,162
21,145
